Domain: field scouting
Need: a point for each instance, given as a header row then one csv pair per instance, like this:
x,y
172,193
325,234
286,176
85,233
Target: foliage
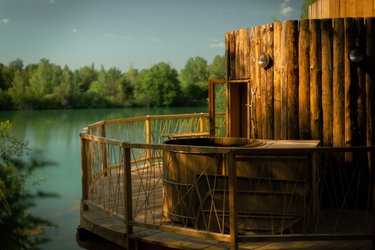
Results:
x,y
47,85
194,80
305,8
18,228
158,86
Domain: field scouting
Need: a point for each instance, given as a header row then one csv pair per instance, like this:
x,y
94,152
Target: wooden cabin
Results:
x,y
318,84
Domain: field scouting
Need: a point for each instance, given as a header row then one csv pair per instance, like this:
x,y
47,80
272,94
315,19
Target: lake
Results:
x,y
55,133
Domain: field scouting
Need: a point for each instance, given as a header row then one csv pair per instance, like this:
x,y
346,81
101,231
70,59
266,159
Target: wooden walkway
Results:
x,y
112,228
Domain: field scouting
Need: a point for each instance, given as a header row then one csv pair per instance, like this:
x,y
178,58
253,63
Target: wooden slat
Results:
x,y
315,81
257,84
269,83
277,80
292,75
263,84
304,80
284,80
327,87
338,83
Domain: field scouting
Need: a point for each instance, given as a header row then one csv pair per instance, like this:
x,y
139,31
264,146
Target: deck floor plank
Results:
x,y
113,228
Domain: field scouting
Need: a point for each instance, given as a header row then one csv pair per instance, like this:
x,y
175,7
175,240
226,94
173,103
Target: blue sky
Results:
x,y
123,33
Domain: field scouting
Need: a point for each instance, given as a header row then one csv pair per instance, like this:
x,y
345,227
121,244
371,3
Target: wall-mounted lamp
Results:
x,y
356,55
264,60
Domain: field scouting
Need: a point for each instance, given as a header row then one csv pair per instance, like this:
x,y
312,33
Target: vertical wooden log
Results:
x,y
257,83
361,83
334,8
227,77
338,138
304,80
84,172
211,107
148,138
292,72
277,80
104,150
284,81
263,83
201,123
350,95
252,88
327,86
231,68
232,175
370,80
315,81
343,8
269,84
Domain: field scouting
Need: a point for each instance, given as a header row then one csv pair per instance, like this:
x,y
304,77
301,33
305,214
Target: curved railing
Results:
x,y
124,173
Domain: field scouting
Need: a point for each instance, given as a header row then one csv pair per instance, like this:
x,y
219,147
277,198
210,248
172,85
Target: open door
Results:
x,y
217,107
238,108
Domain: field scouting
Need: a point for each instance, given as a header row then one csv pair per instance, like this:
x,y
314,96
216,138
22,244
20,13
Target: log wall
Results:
x,y
342,8
311,90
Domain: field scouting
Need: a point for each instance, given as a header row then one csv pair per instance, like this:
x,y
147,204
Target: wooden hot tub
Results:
x,y
276,193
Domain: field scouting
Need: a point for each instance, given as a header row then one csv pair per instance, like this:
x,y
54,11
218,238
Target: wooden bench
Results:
x,y
186,135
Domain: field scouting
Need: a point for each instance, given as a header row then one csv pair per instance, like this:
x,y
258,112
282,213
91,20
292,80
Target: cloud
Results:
x,y
286,10
217,45
74,30
52,1
4,21
154,39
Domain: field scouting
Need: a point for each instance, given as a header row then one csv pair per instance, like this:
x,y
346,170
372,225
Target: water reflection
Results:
x,y
56,134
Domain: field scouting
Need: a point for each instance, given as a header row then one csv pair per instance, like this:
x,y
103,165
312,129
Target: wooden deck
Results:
x,y
112,228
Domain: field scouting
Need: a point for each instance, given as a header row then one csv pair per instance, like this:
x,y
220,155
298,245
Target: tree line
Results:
x,y
46,85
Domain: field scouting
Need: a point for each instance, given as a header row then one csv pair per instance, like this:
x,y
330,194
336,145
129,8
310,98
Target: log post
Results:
x,y
84,172
338,139
315,81
304,80
269,84
292,74
277,80
327,87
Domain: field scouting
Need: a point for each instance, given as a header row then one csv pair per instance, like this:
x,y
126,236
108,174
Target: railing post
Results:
x,y
128,218
84,174
232,174
201,123
148,138
104,149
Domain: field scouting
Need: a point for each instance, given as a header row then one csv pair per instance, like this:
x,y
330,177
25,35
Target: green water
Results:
x,y
56,134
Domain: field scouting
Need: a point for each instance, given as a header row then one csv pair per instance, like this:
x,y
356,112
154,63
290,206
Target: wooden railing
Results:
x,y
125,178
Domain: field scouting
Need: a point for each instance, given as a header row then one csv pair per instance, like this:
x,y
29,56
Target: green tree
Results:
x,y
85,76
216,70
42,81
194,81
19,228
109,86
18,90
158,86
63,92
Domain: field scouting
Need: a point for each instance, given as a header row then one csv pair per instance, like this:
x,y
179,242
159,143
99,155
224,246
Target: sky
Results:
x,y
128,33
